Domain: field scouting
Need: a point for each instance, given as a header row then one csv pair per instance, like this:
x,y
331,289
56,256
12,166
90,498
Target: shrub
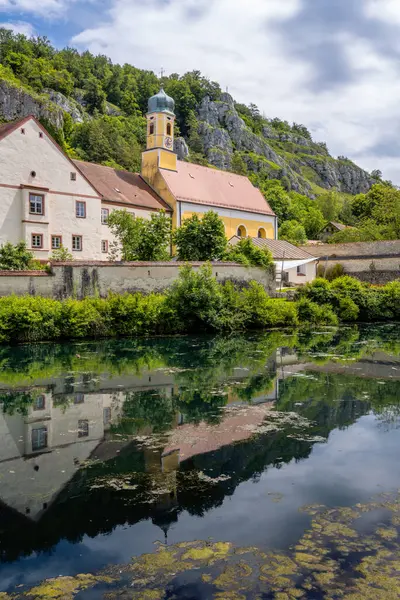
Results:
x,y
196,297
334,272
348,309
246,253
263,311
318,291
391,300
82,318
15,257
315,314
135,314
28,318
61,255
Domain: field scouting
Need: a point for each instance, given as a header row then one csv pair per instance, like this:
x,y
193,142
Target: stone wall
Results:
x,y
356,250
80,280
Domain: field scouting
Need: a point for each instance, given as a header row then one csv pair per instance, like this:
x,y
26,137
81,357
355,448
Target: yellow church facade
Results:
x,y
193,189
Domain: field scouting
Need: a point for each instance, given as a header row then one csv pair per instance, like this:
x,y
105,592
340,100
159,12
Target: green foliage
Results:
x,y
140,239
246,253
61,255
266,312
15,257
201,239
238,165
119,139
293,232
316,314
353,300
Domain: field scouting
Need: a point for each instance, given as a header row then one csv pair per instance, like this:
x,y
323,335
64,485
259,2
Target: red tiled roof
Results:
x,y
211,187
122,187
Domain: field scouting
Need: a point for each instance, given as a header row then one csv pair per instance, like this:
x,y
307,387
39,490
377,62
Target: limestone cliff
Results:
x,y
15,102
303,164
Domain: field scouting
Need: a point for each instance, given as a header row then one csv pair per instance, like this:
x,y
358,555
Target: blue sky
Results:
x,y
330,64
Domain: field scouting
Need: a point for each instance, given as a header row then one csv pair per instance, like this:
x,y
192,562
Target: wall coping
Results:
x,y
24,274
107,263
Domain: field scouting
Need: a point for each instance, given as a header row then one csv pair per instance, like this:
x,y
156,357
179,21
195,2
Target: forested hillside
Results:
x,y
95,109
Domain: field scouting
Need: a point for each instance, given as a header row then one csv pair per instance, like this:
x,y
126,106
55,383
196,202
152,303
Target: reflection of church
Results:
x,y
69,424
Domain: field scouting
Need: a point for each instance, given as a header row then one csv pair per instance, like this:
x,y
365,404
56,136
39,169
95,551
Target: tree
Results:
x,y
61,255
94,96
246,253
140,239
238,165
15,258
330,205
277,197
201,239
293,232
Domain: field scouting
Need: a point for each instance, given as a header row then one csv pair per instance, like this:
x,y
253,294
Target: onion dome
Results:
x,y
161,103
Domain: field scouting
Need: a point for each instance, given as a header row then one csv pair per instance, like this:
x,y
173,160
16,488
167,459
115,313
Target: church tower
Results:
x,y
159,153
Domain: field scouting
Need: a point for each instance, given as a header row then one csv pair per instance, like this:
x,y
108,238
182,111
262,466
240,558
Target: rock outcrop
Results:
x,y
286,156
181,148
15,102
68,105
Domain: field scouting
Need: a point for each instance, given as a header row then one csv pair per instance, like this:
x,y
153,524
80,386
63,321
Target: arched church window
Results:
x,y
169,129
261,233
241,232
151,129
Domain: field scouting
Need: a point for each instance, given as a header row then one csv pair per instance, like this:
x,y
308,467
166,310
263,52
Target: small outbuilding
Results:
x,y
294,265
331,228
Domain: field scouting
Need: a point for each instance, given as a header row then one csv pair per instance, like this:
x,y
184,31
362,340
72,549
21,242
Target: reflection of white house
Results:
x,y
42,450
293,265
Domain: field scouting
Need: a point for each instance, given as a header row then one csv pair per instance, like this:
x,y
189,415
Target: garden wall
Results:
x,y
79,280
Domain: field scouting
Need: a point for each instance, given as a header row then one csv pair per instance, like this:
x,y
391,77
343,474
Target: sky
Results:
x,y
332,65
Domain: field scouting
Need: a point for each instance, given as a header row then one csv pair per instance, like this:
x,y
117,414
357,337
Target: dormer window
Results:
x,y
73,176
23,131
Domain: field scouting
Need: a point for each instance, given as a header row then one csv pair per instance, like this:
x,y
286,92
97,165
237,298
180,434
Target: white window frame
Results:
x,y
105,213
53,239
36,201
80,209
80,244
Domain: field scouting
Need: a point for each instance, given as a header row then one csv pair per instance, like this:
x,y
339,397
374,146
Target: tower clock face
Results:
x,y
168,142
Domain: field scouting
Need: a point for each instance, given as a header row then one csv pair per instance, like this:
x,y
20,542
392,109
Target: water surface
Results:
x,y
258,441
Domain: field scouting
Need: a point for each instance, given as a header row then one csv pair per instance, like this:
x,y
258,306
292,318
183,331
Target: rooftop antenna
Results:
x,y
162,72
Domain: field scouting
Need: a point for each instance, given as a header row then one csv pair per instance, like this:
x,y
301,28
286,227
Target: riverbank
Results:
x,y
196,302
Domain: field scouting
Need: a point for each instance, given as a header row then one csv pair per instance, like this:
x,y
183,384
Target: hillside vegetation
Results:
x,y
95,109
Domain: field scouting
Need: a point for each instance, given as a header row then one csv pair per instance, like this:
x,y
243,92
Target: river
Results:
x,y
235,467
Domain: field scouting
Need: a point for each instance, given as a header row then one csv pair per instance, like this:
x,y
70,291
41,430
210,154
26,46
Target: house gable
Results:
x,y
30,157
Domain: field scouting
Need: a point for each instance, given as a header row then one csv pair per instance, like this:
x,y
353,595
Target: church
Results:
x,y
50,201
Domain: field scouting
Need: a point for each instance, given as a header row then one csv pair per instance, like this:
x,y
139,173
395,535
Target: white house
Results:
x,y
49,201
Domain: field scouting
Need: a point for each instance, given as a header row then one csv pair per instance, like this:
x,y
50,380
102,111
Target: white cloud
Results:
x,y
384,10
238,44
19,27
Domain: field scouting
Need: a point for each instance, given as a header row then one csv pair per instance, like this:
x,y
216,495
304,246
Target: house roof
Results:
x,y
122,187
211,187
338,226
280,249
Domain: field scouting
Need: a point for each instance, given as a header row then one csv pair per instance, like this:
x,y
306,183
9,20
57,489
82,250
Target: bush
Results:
x,y
315,314
318,291
263,311
348,309
15,257
246,253
29,318
61,255
196,297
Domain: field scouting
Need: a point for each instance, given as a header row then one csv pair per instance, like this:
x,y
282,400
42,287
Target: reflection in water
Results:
x,y
135,437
